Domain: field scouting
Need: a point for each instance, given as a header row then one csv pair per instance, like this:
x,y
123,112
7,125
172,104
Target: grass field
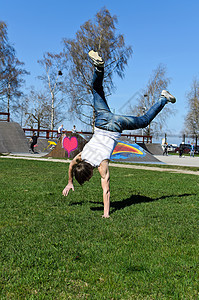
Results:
x,y
60,248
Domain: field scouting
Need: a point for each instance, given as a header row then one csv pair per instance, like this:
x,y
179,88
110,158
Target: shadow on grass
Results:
x,y
77,203
117,205
134,199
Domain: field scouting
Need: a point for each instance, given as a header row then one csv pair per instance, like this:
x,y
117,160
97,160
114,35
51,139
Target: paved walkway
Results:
x,y
166,160
179,161
173,160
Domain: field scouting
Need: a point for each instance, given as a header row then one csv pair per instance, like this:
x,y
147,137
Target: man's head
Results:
x,y
83,171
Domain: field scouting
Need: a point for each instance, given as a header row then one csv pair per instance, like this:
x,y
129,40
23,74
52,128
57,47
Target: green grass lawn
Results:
x,y
54,247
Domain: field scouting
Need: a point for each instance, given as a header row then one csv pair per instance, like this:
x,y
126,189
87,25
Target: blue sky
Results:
x,y
159,32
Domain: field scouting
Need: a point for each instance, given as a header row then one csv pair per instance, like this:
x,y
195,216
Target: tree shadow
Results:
x,y
134,199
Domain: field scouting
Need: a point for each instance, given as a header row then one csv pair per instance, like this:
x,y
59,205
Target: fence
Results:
x,y
7,116
136,138
46,134
42,133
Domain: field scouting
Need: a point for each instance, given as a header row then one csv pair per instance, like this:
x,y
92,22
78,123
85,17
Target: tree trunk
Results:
x,y
52,114
8,99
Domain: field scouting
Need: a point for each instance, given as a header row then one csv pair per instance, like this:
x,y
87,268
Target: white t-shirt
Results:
x,y
100,146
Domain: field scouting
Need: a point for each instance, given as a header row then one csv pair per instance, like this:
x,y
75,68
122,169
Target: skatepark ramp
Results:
x,y
152,148
68,146
12,138
127,151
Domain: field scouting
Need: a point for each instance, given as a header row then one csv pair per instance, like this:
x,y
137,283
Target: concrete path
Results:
x,y
173,160
179,161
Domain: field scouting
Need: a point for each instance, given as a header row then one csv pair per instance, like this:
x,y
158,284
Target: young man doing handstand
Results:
x,y
108,128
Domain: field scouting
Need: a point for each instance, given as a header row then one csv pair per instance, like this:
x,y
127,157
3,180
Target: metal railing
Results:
x,y
136,138
5,114
47,134
42,133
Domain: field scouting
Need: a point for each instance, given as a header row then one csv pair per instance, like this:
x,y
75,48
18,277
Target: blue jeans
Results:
x,y
106,120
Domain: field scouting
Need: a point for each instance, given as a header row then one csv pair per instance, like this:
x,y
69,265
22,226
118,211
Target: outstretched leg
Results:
x,y
105,119
102,110
100,102
132,122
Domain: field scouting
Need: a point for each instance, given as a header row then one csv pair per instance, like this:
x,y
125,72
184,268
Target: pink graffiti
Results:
x,y
70,144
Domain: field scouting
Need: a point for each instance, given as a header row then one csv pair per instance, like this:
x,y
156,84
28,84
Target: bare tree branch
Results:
x,y
100,35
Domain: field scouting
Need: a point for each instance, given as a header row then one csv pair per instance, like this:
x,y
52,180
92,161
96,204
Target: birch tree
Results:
x,y
36,108
54,66
192,117
11,73
150,94
99,34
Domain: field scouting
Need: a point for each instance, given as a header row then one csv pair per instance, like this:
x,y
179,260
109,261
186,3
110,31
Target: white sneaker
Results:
x,y
97,60
168,96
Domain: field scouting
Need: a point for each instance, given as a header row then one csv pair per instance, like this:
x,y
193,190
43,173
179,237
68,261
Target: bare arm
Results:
x,y
105,179
70,186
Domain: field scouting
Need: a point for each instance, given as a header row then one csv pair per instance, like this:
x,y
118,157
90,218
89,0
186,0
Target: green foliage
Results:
x,y
54,247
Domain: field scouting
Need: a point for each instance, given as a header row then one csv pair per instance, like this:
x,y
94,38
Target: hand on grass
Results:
x,y
67,189
105,216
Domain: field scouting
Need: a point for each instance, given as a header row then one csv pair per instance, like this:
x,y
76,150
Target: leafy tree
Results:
x,y
53,65
150,94
100,35
11,72
192,117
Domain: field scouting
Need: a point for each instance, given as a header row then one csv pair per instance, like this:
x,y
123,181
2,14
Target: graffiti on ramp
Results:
x,y
70,144
125,151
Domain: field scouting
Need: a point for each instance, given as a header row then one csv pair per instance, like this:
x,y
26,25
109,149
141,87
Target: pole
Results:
x,y
165,138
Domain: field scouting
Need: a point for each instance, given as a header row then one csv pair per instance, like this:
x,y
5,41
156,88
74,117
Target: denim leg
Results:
x,y
100,102
106,120
102,110
131,122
